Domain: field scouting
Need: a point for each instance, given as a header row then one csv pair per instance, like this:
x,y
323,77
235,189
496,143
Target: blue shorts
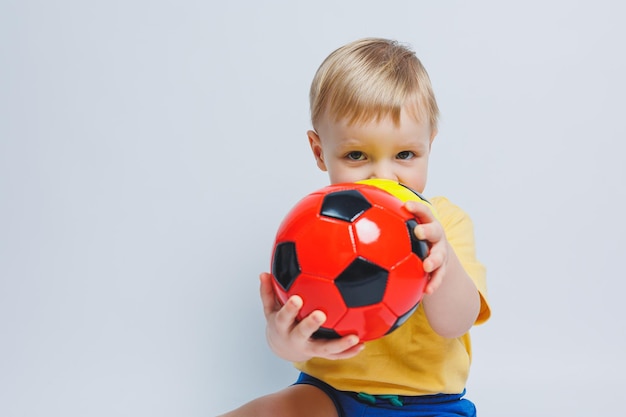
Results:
x,y
352,404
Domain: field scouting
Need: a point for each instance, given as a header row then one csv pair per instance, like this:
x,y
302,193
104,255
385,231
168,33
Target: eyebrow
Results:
x,y
415,144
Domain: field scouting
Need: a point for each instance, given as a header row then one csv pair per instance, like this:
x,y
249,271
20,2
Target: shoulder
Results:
x,y
450,215
456,223
443,204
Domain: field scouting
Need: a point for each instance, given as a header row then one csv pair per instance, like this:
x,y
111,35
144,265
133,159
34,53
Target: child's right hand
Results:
x,y
291,339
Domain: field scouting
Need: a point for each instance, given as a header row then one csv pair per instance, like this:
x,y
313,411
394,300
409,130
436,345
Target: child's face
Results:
x,y
376,149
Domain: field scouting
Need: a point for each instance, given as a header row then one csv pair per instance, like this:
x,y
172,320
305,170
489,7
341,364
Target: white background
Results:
x,y
149,150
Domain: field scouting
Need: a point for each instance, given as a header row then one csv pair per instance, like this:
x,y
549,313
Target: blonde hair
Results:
x,y
370,79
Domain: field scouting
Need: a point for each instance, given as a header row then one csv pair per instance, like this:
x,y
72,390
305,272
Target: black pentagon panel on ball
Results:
x,y
402,319
362,283
285,266
324,333
345,205
419,247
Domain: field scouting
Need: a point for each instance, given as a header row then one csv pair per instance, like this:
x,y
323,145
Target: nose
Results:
x,y
383,171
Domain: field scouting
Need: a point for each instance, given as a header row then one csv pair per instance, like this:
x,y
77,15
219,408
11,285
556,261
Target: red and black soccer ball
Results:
x,y
349,250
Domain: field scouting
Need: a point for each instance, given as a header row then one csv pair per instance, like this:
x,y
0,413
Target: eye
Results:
x,y
405,155
355,156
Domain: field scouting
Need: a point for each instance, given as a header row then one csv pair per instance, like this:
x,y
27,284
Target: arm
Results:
x,y
451,301
290,339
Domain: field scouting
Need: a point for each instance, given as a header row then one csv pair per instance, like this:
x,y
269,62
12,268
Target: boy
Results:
x,y
374,115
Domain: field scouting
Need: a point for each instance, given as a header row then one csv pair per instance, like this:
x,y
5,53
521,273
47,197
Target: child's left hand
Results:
x,y
430,230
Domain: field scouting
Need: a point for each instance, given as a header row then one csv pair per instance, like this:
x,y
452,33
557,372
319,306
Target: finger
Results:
x,y
348,353
310,324
434,282
431,232
286,316
422,211
337,348
433,261
268,297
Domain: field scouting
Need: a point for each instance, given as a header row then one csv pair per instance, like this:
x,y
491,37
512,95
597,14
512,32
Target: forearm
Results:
x,y
452,309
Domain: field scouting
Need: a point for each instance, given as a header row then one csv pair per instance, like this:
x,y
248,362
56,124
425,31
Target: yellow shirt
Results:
x,y
414,360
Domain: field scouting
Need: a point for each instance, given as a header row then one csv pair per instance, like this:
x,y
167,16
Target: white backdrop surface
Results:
x,y
149,150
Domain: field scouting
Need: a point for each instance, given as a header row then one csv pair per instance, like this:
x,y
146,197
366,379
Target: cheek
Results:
x,y
415,180
413,183
339,174
337,178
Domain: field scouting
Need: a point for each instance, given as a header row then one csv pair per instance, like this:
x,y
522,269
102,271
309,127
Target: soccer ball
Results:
x,y
349,250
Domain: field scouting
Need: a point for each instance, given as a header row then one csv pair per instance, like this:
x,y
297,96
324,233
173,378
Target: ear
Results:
x,y
316,147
